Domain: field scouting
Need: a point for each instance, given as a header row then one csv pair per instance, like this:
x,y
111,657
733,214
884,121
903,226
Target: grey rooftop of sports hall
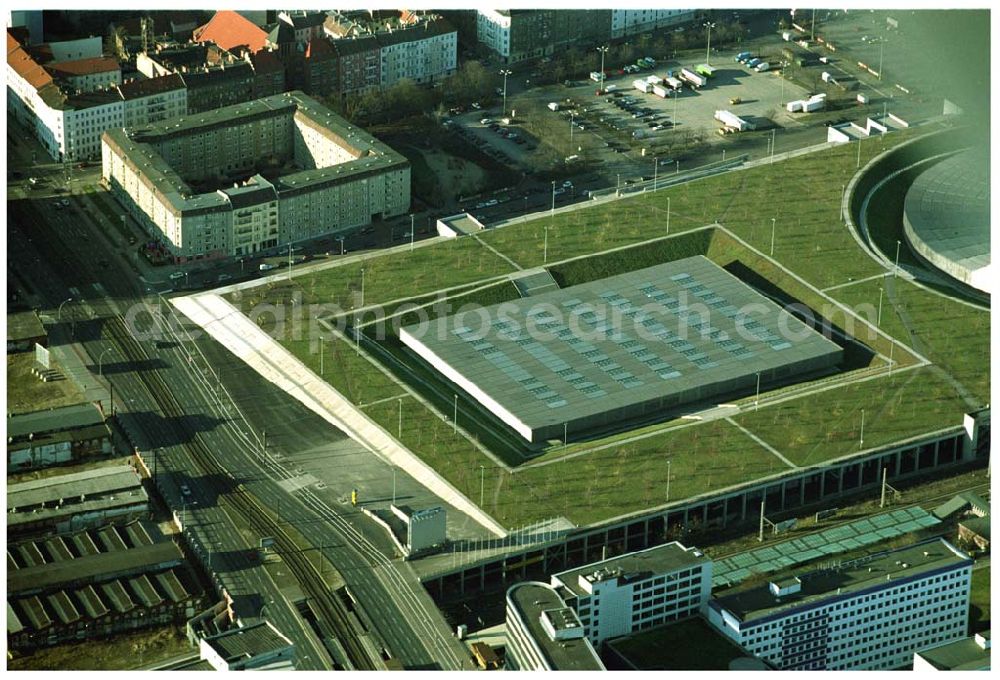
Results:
x,y
621,346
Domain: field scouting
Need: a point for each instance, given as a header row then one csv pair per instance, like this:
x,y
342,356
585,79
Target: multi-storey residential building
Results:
x,y
626,22
871,613
519,34
358,64
421,48
87,75
543,634
153,99
216,75
69,123
212,87
319,67
639,590
306,25
268,72
420,54
197,182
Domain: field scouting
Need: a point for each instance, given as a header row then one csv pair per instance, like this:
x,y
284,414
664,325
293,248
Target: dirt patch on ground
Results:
x,y
122,652
26,392
457,176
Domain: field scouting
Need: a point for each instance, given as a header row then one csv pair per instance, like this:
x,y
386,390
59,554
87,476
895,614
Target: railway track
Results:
x,y
332,615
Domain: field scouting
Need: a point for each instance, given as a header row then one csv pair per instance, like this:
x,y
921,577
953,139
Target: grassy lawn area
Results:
x,y
591,486
628,474
810,430
386,277
979,608
950,334
25,392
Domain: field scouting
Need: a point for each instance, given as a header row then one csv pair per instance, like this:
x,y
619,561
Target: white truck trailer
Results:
x,y
731,120
695,79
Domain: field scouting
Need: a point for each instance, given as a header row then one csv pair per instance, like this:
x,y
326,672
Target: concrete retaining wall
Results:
x,y
276,364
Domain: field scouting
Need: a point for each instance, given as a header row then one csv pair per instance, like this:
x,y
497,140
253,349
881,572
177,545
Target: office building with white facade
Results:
x,y
543,634
640,590
245,178
871,613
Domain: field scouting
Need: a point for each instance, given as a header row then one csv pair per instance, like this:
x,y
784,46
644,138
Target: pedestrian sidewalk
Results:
x,y
248,342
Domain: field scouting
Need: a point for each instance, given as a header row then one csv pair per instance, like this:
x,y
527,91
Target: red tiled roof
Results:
x,y
227,29
25,66
83,67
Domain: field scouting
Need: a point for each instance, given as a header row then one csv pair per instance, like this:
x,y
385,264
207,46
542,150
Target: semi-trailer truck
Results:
x,y
732,120
705,70
641,85
695,79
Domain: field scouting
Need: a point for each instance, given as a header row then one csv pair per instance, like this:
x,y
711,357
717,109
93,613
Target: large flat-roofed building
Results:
x,y
637,345
247,648
74,501
543,634
871,613
636,591
249,177
967,654
59,435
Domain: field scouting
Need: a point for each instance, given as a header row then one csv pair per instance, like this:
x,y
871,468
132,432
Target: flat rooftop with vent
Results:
x,y
790,591
244,178
633,347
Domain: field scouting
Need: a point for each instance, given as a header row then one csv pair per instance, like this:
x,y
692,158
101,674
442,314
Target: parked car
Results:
x,y
224,277
265,267
176,275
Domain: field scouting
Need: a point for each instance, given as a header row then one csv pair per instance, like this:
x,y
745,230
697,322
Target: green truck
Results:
x,y
706,70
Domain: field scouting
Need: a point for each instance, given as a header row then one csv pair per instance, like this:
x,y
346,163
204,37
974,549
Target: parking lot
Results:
x,y
507,142
609,139
691,111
